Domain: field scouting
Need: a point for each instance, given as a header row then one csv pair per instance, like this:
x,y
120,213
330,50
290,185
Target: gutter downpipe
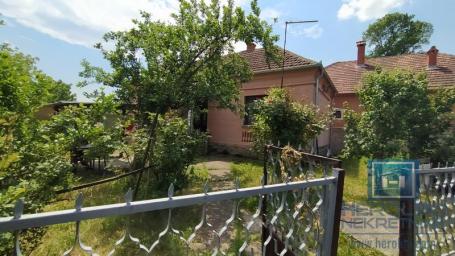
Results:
x,y
316,103
329,150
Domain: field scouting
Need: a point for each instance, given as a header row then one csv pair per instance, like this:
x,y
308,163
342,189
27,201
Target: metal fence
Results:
x,y
435,211
297,214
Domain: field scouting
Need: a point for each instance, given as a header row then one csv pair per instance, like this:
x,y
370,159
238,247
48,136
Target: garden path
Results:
x,y
219,170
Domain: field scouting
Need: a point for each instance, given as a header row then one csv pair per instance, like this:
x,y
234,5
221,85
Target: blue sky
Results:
x,y
61,32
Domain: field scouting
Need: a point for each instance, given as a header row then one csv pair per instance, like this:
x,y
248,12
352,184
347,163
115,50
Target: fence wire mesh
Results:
x,y
291,213
435,211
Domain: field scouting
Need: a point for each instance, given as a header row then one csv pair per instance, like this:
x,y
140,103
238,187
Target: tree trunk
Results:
x,y
148,151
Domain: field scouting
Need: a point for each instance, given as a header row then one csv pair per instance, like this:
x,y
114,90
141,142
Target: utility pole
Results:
x,y
284,47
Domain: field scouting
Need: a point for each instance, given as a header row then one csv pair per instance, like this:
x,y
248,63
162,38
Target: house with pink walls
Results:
x,y
347,76
306,80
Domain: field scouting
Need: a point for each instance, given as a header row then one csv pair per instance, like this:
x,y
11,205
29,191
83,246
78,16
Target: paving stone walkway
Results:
x,y
219,169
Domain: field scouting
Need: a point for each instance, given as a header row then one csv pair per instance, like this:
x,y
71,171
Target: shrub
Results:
x,y
277,119
32,167
175,148
400,117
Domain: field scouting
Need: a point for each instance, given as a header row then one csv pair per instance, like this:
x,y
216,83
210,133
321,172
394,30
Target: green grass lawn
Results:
x,y
356,186
103,233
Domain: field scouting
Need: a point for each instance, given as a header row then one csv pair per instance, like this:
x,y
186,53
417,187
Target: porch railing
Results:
x,y
247,135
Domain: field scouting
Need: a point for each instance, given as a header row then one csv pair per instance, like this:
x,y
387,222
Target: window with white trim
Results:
x,y
338,113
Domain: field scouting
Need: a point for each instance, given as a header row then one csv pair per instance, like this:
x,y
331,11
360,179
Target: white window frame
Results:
x,y
341,111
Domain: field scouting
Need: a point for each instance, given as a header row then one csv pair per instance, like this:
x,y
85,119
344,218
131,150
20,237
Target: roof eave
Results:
x,y
294,68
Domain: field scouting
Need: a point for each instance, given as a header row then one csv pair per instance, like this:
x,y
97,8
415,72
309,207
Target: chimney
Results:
x,y
361,53
432,56
250,47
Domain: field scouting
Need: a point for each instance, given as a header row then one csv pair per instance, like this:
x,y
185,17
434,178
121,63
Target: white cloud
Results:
x,y
315,31
367,9
239,46
270,14
84,22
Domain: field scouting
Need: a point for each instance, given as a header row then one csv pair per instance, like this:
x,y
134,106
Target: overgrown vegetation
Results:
x,y
159,67
278,119
32,165
401,117
159,70
175,149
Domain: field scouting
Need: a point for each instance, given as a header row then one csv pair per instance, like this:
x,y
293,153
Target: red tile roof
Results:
x,y
346,75
257,60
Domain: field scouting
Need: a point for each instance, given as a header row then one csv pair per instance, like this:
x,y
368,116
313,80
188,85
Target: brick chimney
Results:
x,y
250,47
361,53
432,56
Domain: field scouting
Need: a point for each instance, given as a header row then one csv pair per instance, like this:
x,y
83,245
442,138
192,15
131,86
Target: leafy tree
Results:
x,y
53,90
400,117
160,66
23,87
32,167
397,33
279,120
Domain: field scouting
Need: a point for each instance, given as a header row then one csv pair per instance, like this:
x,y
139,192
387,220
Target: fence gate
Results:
x,y
295,211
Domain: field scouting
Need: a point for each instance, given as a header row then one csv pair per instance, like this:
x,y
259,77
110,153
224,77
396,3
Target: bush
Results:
x,y
400,117
99,126
279,120
175,148
32,167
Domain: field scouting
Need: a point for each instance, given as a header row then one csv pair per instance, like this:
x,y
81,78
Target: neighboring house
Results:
x,y
302,77
347,75
45,112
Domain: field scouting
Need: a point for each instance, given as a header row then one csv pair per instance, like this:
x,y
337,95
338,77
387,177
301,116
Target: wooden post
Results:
x,y
337,215
407,238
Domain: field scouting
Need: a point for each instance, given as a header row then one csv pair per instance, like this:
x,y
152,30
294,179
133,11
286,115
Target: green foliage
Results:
x,y
277,119
98,125
197,174
397,33
248,173
32,167
35,155
23,87
175,149
161,66
181,65
399,118
352,138
443,149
